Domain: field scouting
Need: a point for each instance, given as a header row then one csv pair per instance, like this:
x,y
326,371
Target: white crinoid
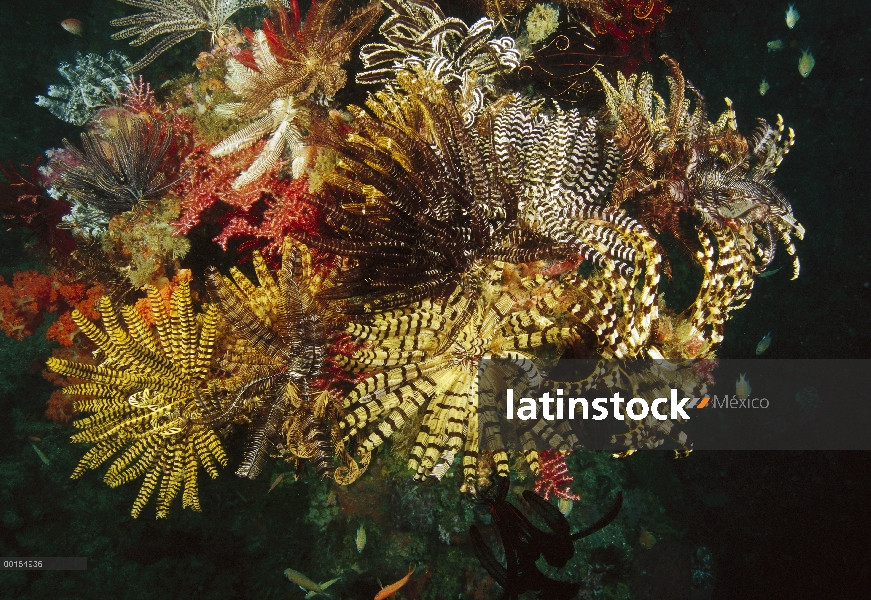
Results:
x,y
277,123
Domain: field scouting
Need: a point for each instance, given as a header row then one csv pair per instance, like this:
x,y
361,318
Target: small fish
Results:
x,y
770,273
74,26
806,63
763,88
306,584
40,454
792,16
275,482
646,539
33,438
763,344
361,538
323,587
391,589
775,45
742,387
565,506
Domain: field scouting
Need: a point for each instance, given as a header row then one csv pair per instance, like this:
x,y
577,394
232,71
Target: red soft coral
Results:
x,y
80,297
260,214
553,476
26,204
284,210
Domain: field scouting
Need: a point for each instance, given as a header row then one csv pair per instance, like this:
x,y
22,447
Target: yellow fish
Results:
x,y
774,45
792,16
311,588
361,538
806,63
763,88
742,387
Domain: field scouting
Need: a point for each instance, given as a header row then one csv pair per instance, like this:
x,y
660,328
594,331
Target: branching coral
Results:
x,y
150,398
94,82
261,214
286,66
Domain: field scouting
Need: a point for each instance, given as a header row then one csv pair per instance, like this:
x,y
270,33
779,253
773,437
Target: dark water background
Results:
x,y
777,525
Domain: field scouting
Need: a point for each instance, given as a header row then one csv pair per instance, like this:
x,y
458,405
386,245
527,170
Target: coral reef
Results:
x,y
461,218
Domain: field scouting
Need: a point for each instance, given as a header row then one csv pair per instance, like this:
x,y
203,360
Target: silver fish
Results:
x,y
361,538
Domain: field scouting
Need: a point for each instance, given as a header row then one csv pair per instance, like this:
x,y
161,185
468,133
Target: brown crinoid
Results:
x,y
679,169
414,203
275,350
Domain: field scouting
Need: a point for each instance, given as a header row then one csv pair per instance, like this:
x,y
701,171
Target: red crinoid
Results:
x,y
24,203
554,476
633,20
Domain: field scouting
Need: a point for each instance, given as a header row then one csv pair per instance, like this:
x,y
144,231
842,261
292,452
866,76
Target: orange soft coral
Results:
x,y
80,297
23,304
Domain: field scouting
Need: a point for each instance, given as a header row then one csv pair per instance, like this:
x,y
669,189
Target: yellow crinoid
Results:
x,y
149,398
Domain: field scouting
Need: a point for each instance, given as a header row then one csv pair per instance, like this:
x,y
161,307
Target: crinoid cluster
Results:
x,y
149,397
453,231
286,66
704,183
177,20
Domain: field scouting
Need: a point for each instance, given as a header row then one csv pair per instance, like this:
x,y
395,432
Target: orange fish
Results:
x,y
74,26
391,589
